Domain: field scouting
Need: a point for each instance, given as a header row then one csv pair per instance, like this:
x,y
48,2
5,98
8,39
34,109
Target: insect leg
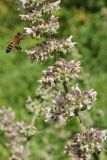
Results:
x,y
18,48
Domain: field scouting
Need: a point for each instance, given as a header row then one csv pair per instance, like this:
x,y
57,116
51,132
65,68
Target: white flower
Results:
x,y
70,43
69,39
23,2
72,112
24,16
56,4
29,30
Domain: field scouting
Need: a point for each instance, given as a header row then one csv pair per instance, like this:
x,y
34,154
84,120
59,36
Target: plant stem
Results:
x,y
34,117
82,126
26,150
65,86
96,156
80,123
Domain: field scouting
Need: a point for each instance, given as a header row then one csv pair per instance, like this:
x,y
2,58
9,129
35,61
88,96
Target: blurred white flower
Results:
x,y
29,30
23,2
55,4
69,42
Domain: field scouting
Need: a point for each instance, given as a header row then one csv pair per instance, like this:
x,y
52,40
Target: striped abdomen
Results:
x,y
10,47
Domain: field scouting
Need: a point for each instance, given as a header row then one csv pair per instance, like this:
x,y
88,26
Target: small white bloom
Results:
x,y
23,2
72,112
28,30
69,39
70,43
31,52
56,4
24,16
81,106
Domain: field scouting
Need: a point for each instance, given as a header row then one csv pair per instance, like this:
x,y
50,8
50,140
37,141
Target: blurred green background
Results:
x,y
86,20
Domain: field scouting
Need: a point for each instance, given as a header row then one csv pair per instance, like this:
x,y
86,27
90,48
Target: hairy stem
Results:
x,y
36,113
26,152
80,124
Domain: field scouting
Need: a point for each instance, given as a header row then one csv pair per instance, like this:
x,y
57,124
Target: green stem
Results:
x,y
65,86
26,150
96,156
36,113
83,128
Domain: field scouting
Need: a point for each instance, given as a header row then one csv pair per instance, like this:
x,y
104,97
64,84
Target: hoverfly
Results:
x,y
15,42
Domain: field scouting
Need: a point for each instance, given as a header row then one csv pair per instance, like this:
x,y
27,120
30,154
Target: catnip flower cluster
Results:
x,y
17,133
44,23
51,27
68,99
85,144
44,98
62,71
49,48
41,15
65,106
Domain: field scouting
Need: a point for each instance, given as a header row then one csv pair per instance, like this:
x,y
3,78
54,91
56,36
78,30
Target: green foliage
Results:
x,y
91,5
18,77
